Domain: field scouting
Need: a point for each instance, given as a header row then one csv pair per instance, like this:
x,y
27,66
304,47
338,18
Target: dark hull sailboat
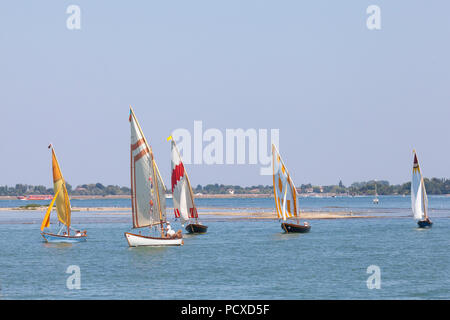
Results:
x,y
419,199
424,224
196,228
285,195
295,228
182,194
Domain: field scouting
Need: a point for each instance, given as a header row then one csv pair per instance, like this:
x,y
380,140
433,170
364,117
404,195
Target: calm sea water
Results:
x,y
237,258
362,203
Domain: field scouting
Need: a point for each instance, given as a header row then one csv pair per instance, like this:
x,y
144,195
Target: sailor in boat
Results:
x,y
170,232
80,234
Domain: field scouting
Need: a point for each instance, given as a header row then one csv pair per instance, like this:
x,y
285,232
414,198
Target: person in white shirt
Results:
x,y
170,232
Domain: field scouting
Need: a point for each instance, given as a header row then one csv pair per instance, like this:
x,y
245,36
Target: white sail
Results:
x,y
283,212
146,184
183,198
419,199
284,189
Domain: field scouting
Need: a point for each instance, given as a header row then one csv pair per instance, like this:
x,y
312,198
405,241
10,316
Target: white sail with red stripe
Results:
x,y
147,188
183,197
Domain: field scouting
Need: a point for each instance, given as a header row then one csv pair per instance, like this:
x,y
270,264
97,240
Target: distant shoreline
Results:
x,y
198,196
218,196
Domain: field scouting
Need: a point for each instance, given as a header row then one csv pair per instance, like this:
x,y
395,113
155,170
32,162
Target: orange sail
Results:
x,y
46,221
62,199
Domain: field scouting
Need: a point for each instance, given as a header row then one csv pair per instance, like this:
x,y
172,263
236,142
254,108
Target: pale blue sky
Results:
x,y
350,103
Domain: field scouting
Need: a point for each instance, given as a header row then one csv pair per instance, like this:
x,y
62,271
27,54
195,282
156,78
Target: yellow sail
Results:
x,y
62,199
46,221
285,193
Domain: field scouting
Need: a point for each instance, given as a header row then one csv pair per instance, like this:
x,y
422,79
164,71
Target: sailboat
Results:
x,y
183,197
148,201
419,199
375,200
63,209
286,196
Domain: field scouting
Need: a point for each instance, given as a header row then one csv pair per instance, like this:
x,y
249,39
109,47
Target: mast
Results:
x,y
67,208
157,196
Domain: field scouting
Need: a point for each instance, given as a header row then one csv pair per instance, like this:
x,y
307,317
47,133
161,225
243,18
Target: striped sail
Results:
x,y
419,199
183,198
61,198
147,188
283,187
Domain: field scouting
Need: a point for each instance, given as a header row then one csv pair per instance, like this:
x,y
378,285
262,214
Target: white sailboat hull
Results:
x,y
136,240
50,237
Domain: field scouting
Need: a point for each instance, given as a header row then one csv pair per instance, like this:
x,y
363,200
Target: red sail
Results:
x,y
177,174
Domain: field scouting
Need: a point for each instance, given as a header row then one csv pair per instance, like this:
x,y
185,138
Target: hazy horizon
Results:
x,y
49,186
350,103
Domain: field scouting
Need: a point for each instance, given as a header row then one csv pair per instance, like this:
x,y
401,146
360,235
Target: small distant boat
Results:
x,y
35,197
419,199
375,200
148,201
183,196
286,196
63,210
39,197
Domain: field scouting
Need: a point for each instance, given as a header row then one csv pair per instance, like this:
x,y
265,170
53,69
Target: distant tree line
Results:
x,y
434,186
93,189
